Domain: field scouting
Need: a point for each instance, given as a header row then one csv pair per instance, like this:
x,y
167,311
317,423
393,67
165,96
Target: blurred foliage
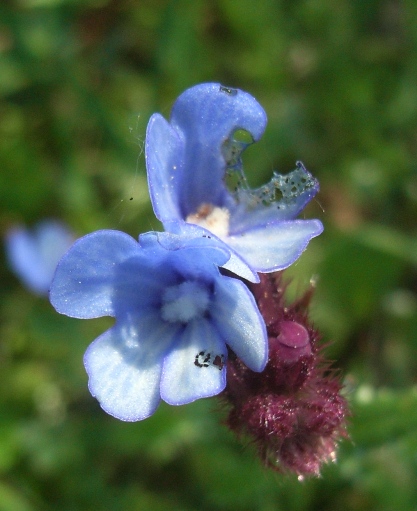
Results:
x,y
78,82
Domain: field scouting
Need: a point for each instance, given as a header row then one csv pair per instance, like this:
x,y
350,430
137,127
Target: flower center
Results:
x,y
184,302
212,218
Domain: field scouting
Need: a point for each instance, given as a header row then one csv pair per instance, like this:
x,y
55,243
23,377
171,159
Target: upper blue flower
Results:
x,y
33,255
174,313
189,161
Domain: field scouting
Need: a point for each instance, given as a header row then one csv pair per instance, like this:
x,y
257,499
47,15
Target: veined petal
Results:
x,y
164,161
275,246
237,318
206,115
195,366
124,366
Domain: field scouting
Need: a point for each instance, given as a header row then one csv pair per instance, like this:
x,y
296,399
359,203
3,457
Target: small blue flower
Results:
x,y
189,162
174,313
33,255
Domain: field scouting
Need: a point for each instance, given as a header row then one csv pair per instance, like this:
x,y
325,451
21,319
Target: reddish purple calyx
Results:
x,y
293,341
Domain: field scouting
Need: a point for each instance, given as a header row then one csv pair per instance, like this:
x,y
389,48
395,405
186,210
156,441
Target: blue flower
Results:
x,y
190,161
174,313
33,255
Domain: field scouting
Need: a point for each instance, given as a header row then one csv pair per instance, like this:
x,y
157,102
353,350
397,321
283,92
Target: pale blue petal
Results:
x,y
93,275
198,263
194,253
139,281
189,242
237,265
237,318
233,262
164,161
124,366
183,380
204,117
34,254
275,246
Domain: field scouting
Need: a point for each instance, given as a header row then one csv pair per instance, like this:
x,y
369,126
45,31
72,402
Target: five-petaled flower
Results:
x,y
34,254
174,313
189,161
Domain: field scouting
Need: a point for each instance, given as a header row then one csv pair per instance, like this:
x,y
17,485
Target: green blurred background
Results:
x,y
338,80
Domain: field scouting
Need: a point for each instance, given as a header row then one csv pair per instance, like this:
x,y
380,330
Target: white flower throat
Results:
x,y
184,302
212,218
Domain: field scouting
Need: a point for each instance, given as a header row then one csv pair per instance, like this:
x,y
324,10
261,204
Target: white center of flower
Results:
x,y
184,302
212,218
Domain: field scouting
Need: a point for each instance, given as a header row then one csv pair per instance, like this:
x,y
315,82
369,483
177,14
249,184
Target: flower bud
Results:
x,y
294,409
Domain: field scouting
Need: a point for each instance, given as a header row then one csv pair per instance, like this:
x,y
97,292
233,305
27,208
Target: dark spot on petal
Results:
x,y
228,90
219,361
202,359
